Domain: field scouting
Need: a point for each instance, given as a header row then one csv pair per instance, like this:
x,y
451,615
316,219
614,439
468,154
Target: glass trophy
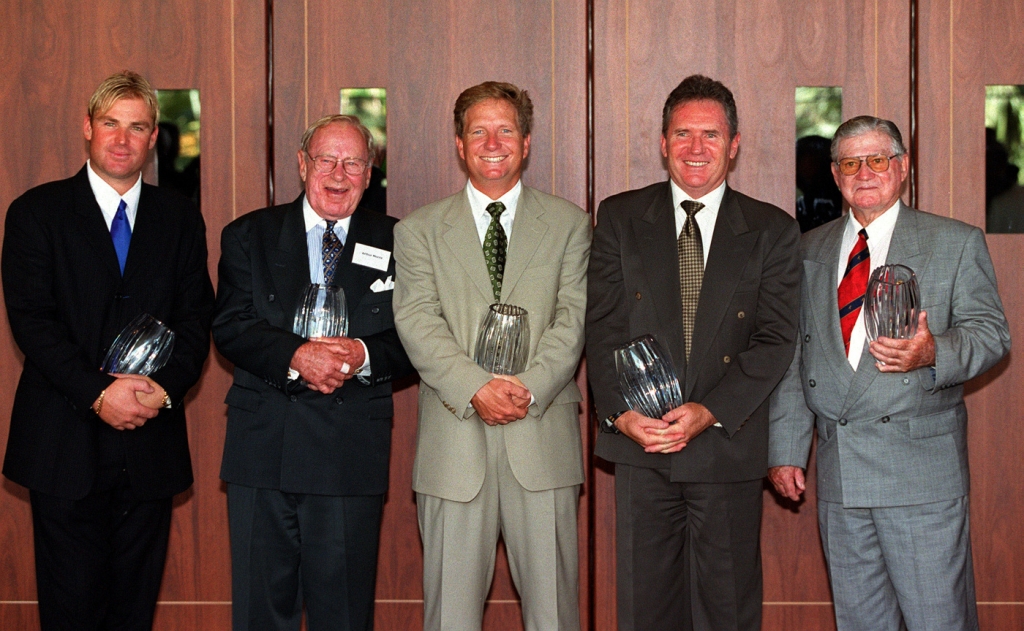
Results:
x,y
647,378
141,348
503,345
322,312
892,303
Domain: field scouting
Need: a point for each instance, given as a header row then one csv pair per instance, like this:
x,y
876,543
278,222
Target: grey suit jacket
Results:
x,y
442,292
890,439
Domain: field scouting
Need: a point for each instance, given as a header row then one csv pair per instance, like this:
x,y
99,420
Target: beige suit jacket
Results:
x,y
442,293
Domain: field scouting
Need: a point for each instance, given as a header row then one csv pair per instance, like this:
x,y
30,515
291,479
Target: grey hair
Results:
x,y
865,124
344,119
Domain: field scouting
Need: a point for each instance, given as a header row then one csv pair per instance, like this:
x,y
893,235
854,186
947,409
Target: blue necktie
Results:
x,y
332,246
121,233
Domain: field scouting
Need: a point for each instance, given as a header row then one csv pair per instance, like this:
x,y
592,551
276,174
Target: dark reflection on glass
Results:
x,y
1004,157
177,144
819,112
370,105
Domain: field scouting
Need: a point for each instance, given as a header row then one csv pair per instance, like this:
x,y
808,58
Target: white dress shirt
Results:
x,y
879,237
109,199
478,203
706,217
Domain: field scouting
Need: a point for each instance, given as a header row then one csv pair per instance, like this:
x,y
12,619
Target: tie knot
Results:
x,y
330,225
495,209
691,207
863,233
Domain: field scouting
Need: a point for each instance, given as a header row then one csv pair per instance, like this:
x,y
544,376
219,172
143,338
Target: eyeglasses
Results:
x,y
877,163
327,164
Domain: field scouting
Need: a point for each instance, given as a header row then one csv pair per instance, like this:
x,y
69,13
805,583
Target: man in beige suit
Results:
x,y
495,454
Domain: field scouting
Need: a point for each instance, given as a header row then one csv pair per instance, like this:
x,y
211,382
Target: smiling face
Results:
x,y
119,142
868,193
698,148
493,147
334,195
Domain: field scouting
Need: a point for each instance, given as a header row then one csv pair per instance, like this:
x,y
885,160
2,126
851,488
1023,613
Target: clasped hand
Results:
x,y
671,432
130,401
328,362
502,400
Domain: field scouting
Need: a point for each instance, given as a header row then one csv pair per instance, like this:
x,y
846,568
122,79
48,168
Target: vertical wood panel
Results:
x,y
55,58
762,51
964,47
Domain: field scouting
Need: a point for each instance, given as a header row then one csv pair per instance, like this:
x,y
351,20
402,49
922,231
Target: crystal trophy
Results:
x,y
647,378
141,348
503,345
892,303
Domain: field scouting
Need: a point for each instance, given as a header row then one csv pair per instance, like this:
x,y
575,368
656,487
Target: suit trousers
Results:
x,y
907,565
687,554
291,549
459,548
100,559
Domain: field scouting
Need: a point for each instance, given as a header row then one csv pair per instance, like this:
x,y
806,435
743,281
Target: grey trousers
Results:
x,y
904,565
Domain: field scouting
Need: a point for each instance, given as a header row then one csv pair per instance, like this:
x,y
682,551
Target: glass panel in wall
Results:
x,y
819,112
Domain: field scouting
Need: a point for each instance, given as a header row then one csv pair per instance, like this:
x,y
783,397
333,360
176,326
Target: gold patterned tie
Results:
x,y
330,250
495,245
690,248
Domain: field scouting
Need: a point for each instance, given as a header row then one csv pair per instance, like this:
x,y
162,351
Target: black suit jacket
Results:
x,y
294,439
67,301
744,331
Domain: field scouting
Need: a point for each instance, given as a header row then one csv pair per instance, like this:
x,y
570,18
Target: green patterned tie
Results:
x,y
495,245
690,248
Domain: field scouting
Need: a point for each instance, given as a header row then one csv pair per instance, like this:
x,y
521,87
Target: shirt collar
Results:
x,y
479,201
712,201
313,220
108,199
882,225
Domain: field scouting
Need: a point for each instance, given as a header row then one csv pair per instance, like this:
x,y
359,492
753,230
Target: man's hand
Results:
x,y
500,401
326,363
788,481
684,424
154,399
517,400
644,431
905,355
121,408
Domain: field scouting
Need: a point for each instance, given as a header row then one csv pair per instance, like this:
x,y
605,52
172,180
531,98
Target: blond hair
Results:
x,y
123,85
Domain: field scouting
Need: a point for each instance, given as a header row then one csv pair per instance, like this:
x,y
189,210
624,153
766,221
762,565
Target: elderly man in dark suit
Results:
x,y
713,275
102,455
892,426
306,455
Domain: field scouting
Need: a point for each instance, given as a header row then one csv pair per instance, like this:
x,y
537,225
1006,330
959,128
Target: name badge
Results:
x,y
369,256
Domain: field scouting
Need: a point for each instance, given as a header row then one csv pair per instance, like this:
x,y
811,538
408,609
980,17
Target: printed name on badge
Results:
x,y
369,256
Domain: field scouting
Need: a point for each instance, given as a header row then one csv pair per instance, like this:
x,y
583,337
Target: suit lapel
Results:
x,y
905,249
93,227
289,261
354,279
464,244
821,275
654,231
731,246
527,233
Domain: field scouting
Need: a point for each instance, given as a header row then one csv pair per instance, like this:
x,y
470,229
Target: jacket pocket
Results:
x,y
938,423
243,398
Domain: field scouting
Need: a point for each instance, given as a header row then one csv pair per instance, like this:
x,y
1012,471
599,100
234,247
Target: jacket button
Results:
x,y
339,400
727,359
638,295
271,297
293,398
741,315
885,419
842,421
811,383
906,380
807,339
375,310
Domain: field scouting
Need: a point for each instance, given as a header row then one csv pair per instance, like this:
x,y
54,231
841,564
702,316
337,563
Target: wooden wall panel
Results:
x,y
964,47
762,51
425,53
55,58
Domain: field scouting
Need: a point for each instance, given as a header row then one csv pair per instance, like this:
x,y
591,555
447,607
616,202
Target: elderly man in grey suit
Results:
x,y
890,415
495,454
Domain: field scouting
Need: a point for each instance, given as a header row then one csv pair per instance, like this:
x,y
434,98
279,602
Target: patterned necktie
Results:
x,y
330,251
121,233
690,248
853,286
495,245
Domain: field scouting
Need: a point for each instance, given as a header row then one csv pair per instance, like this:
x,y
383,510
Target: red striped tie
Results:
x,y
853,286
